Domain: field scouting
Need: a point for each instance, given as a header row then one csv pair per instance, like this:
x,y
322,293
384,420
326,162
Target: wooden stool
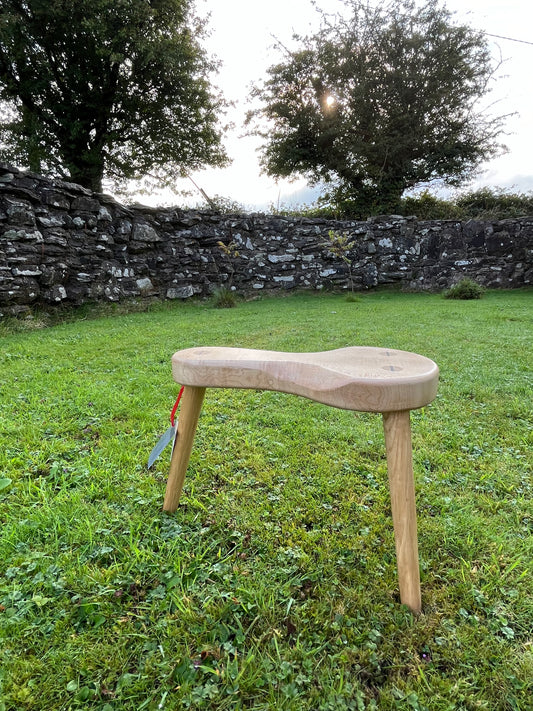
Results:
x,y
365,379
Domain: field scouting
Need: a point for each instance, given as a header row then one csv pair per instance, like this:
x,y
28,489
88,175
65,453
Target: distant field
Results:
x,y
274,584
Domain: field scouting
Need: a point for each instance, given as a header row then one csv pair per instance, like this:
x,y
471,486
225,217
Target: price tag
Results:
x,y
169,436
165,439
175,438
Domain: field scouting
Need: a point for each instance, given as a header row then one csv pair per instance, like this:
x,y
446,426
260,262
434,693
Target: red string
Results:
x,y
172,420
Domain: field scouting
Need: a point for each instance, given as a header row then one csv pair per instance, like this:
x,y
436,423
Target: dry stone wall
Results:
x,y
60,243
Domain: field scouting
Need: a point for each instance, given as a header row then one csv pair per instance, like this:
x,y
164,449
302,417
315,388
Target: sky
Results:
x,y
243,34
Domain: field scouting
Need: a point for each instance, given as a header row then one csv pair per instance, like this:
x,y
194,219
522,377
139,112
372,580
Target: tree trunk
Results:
x,y
87,171
389,191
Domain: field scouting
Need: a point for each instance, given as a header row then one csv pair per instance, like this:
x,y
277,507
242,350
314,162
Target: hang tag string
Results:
x,y
173,413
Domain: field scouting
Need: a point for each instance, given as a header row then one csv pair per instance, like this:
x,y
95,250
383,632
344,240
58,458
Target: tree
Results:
x,y
378,103
114,88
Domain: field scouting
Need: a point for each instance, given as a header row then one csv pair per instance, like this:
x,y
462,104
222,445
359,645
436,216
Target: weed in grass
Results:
x,y
274,584
465,289
224,298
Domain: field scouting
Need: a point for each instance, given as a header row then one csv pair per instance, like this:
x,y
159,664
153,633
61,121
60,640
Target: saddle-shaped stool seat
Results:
x,y
381,380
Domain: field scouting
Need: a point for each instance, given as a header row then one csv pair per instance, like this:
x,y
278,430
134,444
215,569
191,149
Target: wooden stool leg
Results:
x,y
402,492
191,405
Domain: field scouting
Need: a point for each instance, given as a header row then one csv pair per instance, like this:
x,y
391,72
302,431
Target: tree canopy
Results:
x,y
114,88
379,102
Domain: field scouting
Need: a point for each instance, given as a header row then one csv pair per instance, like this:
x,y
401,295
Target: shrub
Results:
x,y
465,289
339,246
311,210
429,207
494,204
483,204
224,205
224,298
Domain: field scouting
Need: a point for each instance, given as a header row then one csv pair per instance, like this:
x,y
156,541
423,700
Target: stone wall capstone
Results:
x,y
60,243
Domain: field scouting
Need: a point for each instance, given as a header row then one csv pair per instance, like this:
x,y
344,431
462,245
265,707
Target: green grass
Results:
x,y
274,584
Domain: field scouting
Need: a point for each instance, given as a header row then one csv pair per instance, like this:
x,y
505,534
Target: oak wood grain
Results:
x,y
397,429
355,378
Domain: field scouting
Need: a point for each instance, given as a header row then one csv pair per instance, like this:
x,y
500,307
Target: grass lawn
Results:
x,y
274,584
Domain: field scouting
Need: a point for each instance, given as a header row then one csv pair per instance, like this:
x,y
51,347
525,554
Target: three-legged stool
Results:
x,y
390,382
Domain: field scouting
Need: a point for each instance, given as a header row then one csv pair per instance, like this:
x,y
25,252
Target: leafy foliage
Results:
x,y
222,205
378,103
429,207
340,245
483,204
465,289
113,88
224,297
493,203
